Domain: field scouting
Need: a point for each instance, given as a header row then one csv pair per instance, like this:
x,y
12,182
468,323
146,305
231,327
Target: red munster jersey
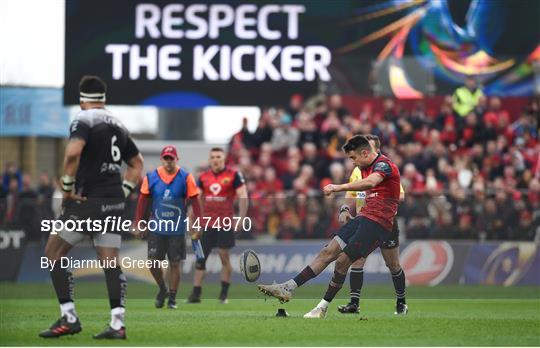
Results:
x,y
382,201
218,192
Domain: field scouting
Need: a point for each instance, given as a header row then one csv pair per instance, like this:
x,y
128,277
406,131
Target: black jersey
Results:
x,y
108,143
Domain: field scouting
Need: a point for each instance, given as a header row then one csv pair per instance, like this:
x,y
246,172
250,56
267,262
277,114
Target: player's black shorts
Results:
x,y
392,240
213,238
160,245
95,209
368,236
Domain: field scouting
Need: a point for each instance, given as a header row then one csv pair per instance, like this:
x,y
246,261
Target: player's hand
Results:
x,y
328,189
344,216
71,196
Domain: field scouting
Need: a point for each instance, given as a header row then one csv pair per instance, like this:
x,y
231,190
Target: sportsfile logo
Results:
x,y
109,224
119,224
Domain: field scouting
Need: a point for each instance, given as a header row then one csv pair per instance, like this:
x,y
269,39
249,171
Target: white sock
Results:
x,y
291,285
323,304
117,317
68,310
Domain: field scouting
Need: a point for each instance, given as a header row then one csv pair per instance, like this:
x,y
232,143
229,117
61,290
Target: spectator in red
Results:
x,y
366,115
270,184
242,138
471,132
510,177
305,182
495,114
330,124
412,181
449,133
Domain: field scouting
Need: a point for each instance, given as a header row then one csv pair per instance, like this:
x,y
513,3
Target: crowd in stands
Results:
x,y
23,205
467,175
472,174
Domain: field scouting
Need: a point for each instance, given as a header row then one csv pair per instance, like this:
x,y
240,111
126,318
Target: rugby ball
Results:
x,y
250,266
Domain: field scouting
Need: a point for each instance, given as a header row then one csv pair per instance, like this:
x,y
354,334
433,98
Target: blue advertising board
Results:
x,y
507,263
33,112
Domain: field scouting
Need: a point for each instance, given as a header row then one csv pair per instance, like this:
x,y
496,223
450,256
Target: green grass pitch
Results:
x,y
439,316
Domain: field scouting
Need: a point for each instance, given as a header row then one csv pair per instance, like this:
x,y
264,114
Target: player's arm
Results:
x,y
200,197
368,183
242,194
135,167
72,156
142,211
243,205
193,199
78,135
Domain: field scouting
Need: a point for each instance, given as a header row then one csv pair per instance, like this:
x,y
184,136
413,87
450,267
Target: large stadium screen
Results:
x,y
193,54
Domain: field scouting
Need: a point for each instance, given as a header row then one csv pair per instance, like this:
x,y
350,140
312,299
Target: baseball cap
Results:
x,y
169,150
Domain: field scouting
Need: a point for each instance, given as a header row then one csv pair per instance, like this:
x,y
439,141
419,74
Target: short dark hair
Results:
x,y
355,143
217,149
375,139
92,84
